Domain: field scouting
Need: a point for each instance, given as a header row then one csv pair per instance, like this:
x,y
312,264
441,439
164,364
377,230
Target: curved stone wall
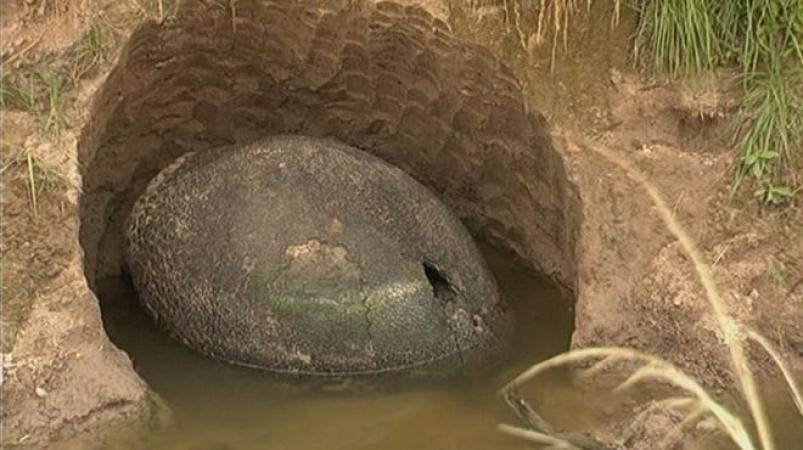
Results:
x,y
385,78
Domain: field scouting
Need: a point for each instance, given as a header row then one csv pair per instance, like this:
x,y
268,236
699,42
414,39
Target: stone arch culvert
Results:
x,y
387,79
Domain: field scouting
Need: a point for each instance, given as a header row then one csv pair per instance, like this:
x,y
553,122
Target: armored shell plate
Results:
x,y
304,255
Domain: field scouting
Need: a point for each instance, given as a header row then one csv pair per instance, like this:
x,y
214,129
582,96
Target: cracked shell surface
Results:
x,y
304,255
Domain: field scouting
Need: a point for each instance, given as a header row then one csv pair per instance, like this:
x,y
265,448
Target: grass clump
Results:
x,y
90,52
39,174
53,113
678,36
39,94
695,402
762,39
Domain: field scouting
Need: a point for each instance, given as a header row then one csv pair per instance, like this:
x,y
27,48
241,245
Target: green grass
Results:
x,y
762,39
38,93
40,175
90,52
14,156
18,93
53,114
40,90
678,36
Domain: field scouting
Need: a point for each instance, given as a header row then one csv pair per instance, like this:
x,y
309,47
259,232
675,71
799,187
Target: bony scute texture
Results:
x,y
232,252
388,79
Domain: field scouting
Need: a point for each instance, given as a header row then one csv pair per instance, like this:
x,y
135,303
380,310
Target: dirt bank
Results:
x,y
507,178
636,287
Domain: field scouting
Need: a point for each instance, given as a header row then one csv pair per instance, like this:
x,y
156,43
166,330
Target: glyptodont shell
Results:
x,y
304,255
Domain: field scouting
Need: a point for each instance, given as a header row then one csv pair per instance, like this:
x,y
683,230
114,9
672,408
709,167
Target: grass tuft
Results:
x,y
90,52
54,118
40,173
770,124
39,94
18,93
678,36
762,38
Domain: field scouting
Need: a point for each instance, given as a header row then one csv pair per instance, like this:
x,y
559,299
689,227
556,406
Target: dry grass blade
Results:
x,y
617,12
662,372
655,369
535,436
526,414
676,403
573,357
672,375
601,366
20,53
32,182
785,370
693,417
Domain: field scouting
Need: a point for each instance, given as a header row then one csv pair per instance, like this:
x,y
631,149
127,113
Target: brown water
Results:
x,y
218,406
221,407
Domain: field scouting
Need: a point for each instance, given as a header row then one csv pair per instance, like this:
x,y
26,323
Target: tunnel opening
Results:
x,y
387,79
441,287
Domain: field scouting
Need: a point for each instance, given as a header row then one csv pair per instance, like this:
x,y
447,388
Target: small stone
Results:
x,y
40,392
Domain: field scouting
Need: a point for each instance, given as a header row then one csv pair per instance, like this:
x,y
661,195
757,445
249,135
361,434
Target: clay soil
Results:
x,y
636,288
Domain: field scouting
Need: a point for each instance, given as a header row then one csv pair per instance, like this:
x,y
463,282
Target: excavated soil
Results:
x,y
391,80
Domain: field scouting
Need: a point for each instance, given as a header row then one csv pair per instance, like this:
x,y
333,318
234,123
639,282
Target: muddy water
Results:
x,y
221,407
218,406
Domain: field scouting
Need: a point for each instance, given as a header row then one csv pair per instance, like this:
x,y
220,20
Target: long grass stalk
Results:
x,y
32,182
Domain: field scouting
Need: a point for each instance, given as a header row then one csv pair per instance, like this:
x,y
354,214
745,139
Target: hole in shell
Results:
x,y
441,287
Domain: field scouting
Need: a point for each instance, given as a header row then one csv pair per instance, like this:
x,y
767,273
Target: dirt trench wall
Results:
x,y
386,78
